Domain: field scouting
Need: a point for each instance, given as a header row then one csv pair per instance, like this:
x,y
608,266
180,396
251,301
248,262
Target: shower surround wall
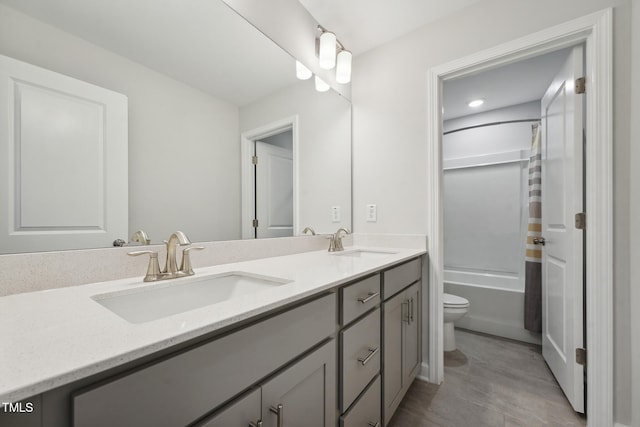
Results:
x,y
485,218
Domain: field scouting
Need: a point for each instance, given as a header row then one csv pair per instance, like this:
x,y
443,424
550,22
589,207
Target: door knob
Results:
x,y
539,241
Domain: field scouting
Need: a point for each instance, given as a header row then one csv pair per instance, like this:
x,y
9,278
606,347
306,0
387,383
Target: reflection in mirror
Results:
x,y
203,88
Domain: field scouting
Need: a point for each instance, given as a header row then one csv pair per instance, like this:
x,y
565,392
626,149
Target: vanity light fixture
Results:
x,y
343,67
476,103
331,53
302,72
327,50
321,85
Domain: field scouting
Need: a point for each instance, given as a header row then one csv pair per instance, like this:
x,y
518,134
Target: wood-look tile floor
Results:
x,y
490,382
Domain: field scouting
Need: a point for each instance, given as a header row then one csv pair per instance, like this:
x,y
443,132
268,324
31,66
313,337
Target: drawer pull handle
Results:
x,y
372,352
369,297
256,424
372,424
278,410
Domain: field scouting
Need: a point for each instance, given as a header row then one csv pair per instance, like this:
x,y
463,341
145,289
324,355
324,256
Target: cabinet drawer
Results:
x,y
398,278
366,411
178,390
359,298
360,356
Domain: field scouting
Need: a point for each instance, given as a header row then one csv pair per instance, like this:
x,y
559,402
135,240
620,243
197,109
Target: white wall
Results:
x,y
634,197
389,94
324,123
184,146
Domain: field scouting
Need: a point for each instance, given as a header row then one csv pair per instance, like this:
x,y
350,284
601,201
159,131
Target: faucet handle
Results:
x,y
332,242
153,269
186,267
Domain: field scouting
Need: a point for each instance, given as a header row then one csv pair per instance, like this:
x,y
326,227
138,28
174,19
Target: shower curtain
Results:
x,y
533,257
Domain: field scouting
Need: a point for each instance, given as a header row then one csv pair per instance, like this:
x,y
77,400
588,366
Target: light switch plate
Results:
x,y
372,213
335,213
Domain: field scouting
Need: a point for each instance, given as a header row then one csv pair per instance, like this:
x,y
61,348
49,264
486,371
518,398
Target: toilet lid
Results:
x,y
454,300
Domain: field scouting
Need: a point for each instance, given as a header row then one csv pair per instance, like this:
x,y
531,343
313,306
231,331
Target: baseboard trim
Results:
x,y
620,425
423,375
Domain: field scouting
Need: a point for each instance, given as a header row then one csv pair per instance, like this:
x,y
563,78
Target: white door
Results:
x,y
63,161
274,191
562,254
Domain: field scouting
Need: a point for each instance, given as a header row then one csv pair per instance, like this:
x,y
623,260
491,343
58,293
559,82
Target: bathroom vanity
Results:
x,y
332,340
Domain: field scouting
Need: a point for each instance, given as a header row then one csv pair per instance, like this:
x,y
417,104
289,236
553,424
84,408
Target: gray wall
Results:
x,y
390,95
170,125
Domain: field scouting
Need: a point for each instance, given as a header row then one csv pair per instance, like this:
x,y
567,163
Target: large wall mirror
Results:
x,y
205,93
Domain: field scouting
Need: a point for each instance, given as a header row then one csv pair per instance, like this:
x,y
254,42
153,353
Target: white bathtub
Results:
x,y
496,303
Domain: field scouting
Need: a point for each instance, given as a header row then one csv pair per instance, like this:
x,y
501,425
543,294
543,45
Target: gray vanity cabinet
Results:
x,y
183,388
241,413
303,394
401,346
402,341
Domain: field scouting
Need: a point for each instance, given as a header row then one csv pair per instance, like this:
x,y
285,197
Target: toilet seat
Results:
x,y
454,301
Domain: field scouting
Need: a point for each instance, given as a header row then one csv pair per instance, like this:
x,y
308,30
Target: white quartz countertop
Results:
x,y
54,337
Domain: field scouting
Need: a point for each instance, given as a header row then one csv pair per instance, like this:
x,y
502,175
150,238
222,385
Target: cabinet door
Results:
x,y
395,310
303,394
241,413
411,336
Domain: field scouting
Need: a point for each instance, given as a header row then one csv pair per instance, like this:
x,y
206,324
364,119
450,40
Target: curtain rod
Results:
x,y
490,124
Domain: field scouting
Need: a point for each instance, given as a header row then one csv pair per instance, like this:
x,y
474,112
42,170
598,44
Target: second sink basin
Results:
x,y
364,253
179,295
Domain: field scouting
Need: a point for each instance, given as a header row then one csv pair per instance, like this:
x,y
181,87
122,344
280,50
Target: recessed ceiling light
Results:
x,y
476,103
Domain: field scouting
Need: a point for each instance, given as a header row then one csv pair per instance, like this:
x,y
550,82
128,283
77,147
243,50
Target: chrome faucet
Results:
x,y
171,265
335,240
310,230
141,237
171,270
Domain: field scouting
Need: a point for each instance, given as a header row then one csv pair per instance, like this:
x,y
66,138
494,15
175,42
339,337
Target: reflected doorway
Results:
x,y
273,185
269,180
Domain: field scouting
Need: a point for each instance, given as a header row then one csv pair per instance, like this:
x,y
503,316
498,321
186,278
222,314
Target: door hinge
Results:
x,y
255,223
581,221
581,356
254,160
581,85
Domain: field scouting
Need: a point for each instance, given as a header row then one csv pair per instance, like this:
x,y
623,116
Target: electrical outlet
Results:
x,y
372,213
335,213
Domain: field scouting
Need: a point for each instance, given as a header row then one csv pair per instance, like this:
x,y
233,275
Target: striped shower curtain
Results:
x,y
533,258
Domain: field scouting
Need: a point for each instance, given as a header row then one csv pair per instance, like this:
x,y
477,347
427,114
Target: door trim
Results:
x,y
595,30
246,167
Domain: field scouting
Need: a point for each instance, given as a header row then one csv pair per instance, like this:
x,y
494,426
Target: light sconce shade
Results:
x,y
327,53
343,67
302,72
321,86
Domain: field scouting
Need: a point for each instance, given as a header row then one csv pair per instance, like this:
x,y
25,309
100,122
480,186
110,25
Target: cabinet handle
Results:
x,y
372,424
372,352
411,310
256,424
278,410
369,297
408,318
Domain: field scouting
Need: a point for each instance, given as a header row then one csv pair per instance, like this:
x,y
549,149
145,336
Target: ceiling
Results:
x,y
202,43
505,86
364,24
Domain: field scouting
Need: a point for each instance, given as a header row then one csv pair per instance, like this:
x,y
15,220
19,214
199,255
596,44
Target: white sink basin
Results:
x,y
175,296
364,253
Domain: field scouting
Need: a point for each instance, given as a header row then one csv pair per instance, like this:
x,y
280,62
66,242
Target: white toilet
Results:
x,y
455,308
